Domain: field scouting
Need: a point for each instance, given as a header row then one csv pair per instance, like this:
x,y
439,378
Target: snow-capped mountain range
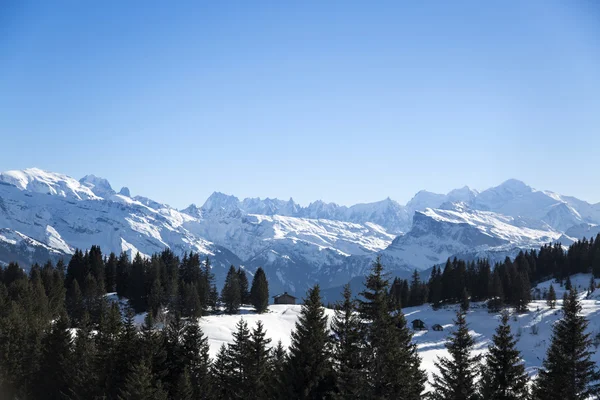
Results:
x,y
47,215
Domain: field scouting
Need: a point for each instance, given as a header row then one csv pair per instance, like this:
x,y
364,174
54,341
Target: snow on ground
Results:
x,y
280,320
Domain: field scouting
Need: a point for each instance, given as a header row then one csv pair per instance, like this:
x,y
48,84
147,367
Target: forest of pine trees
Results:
x,y
60,338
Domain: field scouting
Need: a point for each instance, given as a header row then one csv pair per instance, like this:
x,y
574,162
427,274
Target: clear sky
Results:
x,y
345,101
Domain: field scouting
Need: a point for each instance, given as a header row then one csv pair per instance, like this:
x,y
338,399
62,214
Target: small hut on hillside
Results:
x,y
437,327
284,298
418,325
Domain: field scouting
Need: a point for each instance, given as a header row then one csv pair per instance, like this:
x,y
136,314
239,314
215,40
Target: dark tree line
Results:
x,y
508,283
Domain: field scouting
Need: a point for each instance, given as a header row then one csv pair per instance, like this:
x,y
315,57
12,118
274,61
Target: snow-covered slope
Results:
x,y
437,234
533,328
38,181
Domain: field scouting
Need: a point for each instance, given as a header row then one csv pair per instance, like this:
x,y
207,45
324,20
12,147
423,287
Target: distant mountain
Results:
x,y
47,215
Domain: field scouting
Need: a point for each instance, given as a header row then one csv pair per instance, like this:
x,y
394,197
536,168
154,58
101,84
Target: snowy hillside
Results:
x,y
53,214
534,328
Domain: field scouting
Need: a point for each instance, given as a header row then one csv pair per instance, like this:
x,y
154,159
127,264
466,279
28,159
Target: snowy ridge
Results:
x,y
297,246
39,181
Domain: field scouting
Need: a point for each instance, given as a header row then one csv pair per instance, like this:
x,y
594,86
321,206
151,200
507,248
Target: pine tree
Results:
x,y
261,362
75,305
496,293
107,340
176,360
348,344
195,352
435,287
551,301
568,285
244,288
456,378
277,368
110,273
84,384
152,343
592,285
183,388
138,384
155,297
231,294
240,356
416,292
54,375
391,359
504,376
128,351
568,372
465,302
221,373
123,277
308,372
259,293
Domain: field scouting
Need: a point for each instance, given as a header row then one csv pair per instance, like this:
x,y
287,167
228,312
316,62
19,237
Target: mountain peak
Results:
x,y
40,181
515,185
220,201
99,186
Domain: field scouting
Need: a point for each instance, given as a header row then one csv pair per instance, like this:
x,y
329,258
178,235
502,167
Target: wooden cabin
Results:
x,y
437,327
284,298
418,325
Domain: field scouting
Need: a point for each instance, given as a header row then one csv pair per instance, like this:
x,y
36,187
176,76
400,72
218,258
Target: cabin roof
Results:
x,y
284,294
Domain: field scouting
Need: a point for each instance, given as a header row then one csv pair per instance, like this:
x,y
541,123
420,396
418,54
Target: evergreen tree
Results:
x,y
107,341
221,373
276,381
568,285
110,273
568,372
123,275
84,384
244,288
416,291
152,343
195,352
183,388
592,285
551,301
465,303
391,359
155,297
396,294
75,304
496,292
435,287
231,294
504,376
176,359
138,384
259,293
308,372
54,375
456,378
240,361
348,344
137,284
261,363
192,306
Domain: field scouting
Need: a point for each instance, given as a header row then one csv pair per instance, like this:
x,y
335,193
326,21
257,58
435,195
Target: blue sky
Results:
x,y
345,101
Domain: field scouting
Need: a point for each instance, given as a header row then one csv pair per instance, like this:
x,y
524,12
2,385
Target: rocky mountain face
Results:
x,y
47,215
